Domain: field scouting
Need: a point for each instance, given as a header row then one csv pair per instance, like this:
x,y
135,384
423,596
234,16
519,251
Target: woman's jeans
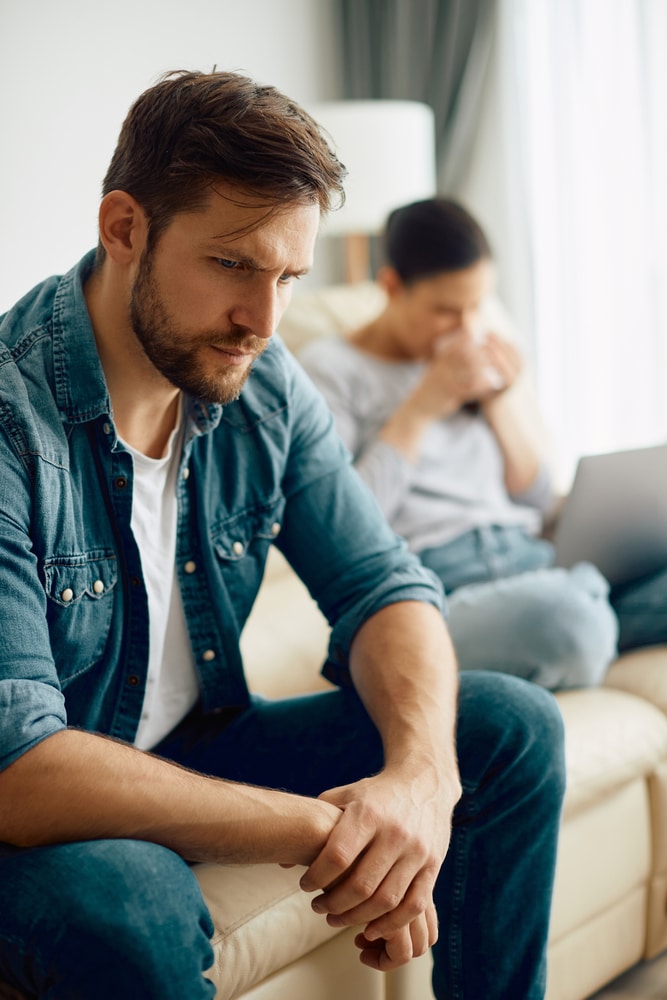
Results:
x,y
117,918
510,609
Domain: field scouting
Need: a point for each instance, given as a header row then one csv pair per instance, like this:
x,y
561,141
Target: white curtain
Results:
x,y
569,172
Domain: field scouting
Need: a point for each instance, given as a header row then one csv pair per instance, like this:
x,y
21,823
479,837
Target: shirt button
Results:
x,y
98,587
135,581
67,594
275,528
186,473
133,680
237,548
190,566
121,482
106,427
208,655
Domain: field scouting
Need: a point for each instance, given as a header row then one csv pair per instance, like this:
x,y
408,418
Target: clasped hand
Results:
x,y
380,863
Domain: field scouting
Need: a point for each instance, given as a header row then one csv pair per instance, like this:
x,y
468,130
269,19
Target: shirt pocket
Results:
x,y
241,544
80,593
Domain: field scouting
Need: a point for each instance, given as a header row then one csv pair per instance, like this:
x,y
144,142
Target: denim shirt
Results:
x,y
266,469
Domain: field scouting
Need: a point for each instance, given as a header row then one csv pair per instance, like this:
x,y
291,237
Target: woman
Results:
x,y
425,398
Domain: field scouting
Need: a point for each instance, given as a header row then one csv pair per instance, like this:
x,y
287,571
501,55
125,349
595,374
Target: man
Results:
x,y
143,479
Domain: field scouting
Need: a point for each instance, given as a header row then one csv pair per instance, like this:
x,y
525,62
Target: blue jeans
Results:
x,y
511,610
641,609
112,919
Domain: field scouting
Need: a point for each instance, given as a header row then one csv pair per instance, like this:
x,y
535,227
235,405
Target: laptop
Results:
x,y
616,514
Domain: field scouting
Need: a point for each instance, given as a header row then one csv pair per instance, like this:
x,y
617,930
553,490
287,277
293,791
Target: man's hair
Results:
x,y
192,129
429,237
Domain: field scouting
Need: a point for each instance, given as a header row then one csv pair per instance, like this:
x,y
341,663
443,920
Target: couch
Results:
x,y
610,901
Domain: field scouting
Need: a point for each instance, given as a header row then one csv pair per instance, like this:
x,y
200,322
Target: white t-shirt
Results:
x,y
172,687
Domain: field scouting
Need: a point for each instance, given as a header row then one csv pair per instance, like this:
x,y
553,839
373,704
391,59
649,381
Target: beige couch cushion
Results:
x,y
263,922
330,972
642,672
611,738
601,850
284,642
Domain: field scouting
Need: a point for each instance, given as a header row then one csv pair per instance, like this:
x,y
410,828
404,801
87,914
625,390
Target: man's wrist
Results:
x,y
443,774
314,829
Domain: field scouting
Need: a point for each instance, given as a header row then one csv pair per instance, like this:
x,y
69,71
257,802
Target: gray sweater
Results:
x,y
457,483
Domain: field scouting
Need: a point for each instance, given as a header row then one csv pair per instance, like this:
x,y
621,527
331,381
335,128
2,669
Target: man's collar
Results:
x,y
81,389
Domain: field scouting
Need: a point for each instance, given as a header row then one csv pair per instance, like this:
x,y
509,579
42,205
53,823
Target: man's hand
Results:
x,y
381,861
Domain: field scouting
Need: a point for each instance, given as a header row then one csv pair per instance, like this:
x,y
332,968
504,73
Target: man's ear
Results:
x,y
123,227
388,279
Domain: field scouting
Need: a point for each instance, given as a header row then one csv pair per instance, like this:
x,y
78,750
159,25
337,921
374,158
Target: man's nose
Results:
x,y
259,312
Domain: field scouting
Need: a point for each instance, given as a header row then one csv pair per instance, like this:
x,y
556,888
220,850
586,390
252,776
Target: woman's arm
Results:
x,y
506,414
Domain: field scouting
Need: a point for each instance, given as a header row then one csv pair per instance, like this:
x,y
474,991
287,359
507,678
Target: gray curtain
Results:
x,y
435,51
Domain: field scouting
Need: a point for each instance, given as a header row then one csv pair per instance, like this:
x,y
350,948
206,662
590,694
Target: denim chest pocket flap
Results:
x,y
233,538
68,579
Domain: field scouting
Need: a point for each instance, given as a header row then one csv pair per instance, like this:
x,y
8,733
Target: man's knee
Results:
x,y
512,726
121,912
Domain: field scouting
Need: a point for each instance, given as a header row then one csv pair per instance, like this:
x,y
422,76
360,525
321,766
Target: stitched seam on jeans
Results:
x,y
455,948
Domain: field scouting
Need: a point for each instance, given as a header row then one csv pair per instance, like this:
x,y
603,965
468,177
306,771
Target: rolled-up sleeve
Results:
x,y
32,705
30,712
335,535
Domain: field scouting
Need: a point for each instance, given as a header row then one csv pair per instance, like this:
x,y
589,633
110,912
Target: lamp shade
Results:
x,y
388,148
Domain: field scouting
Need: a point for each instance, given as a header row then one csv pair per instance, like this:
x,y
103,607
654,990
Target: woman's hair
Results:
x,y
428,237
192,129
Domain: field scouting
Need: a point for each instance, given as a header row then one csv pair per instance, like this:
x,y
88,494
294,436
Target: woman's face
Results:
x,y
429,309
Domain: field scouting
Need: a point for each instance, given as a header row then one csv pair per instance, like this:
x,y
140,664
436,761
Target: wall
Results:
x,y
70,70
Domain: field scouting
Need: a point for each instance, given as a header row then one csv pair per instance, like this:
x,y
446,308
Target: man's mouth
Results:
x,y
232,356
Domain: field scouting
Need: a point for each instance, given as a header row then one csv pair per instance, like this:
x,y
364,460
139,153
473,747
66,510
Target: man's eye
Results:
x,y
228,264
285,279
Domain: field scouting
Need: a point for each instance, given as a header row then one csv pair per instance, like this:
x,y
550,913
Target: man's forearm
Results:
x,y
404,668
80,786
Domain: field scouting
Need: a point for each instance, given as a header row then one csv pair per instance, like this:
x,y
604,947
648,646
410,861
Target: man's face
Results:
x,y
435,307
208,297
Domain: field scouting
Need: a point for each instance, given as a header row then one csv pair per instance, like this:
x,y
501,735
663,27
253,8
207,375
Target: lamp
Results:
x,y
388,148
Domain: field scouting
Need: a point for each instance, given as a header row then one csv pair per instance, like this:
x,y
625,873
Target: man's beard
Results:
x,y
176,353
